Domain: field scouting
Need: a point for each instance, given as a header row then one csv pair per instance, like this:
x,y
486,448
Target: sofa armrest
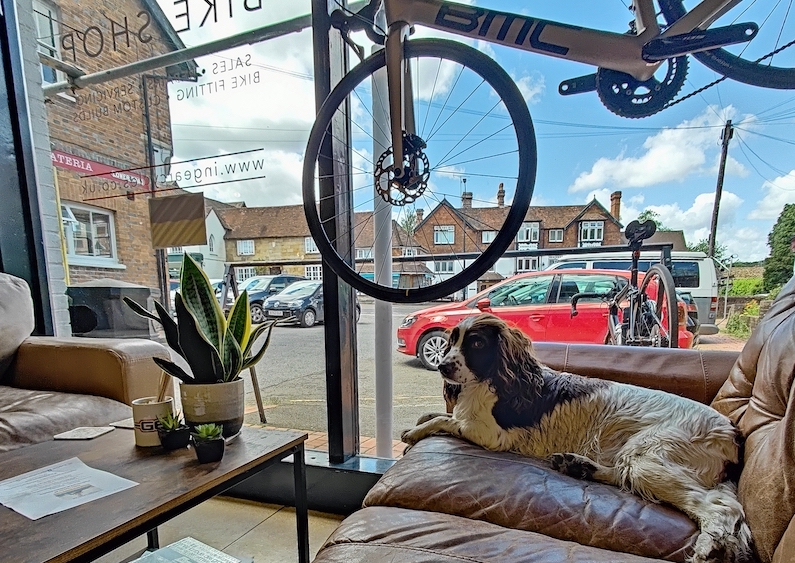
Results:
x,y
694,374
120,369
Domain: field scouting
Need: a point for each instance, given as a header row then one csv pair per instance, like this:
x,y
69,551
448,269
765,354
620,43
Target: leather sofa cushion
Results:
x,y
29,417
16,317
760,399
445,474
399,535
694,374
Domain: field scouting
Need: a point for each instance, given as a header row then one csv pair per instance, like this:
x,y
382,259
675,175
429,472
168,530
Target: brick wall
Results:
x,y
106,123
274,250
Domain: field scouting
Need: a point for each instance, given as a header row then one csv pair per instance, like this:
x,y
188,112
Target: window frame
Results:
x,y
242,245
313,271
68,219
531,260
310,247
597,226
437,234
443,267
557,231
487,237
530,231
53,50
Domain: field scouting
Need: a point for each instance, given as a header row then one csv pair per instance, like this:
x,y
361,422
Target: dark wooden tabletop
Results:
x,y
168,482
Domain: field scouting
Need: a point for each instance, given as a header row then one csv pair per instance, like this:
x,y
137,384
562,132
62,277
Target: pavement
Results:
x,y
721,341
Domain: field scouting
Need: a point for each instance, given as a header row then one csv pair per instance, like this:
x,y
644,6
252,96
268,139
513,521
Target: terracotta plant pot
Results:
x,y
221,403
208,451
174,439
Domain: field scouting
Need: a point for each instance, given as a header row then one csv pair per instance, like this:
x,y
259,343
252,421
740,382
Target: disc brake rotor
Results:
x,y
628,97
405,189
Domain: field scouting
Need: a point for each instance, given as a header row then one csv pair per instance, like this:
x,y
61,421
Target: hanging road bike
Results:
x,y
640,316
452,114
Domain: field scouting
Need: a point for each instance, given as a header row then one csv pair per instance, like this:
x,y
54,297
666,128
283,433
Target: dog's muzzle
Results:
x,y
447,369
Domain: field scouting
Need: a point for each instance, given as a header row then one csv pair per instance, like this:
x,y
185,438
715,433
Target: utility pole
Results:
x,y
726,136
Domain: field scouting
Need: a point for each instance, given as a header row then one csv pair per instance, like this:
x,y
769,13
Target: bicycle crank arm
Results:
x,y
578,85
664,48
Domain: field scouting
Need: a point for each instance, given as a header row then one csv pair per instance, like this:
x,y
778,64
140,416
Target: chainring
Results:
x,y
628,97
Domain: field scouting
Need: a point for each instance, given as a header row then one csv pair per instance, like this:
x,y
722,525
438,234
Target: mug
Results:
x,y
145,413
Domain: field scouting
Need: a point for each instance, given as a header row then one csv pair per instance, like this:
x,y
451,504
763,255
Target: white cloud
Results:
x,y
670,155
532,87
778,192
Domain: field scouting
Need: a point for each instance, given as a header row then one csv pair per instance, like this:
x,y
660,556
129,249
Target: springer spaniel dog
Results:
x,y
657,445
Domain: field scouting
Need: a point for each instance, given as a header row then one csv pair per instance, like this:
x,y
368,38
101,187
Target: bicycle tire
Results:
x,y
519,122
663,297
745,70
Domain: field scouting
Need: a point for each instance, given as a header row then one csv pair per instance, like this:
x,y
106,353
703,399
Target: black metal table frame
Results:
x,y
150,526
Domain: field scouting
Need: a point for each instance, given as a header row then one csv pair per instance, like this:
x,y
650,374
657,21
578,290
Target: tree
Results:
x,y
721,251
650,215
778,266
409,220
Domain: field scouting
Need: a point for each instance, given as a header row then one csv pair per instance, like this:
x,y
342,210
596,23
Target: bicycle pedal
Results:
x,y
664,48
578,85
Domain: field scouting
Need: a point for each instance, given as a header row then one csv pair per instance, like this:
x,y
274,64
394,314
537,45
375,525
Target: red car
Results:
x,y
538,303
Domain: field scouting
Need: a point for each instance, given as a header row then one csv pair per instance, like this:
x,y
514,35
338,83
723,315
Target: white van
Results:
x,y
693,272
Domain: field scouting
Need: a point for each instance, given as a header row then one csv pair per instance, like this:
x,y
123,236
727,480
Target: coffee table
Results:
x,y
169,484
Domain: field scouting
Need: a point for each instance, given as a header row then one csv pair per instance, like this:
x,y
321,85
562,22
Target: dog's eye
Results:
x,y
478,343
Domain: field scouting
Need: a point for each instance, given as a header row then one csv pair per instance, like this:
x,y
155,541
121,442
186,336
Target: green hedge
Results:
x,y
746,286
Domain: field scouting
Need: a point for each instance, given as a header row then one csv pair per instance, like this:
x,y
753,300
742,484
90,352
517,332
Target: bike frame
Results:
x,y
615,51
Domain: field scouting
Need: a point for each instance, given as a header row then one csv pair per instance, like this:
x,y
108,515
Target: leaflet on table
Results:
x,y
58,487
189,550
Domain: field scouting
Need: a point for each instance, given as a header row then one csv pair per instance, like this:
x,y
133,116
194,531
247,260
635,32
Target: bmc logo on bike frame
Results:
x,y
467,20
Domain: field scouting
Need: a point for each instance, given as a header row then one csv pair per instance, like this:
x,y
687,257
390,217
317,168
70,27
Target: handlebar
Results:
x,y
585,295
363,20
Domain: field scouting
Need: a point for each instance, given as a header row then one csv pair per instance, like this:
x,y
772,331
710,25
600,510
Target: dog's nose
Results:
x,y
446,369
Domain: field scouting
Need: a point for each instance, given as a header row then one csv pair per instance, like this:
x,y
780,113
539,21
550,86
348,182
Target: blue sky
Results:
x,y
667,162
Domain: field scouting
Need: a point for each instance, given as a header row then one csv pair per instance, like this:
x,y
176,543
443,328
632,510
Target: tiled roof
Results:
x,y
365,229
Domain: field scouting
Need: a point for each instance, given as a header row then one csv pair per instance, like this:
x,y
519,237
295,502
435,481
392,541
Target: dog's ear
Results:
x,y
519,373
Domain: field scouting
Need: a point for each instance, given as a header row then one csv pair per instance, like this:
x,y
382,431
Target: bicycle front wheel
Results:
x,y
768,61
472,157
657,323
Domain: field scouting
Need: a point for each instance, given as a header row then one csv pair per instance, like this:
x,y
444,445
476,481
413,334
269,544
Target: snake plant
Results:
x,y
216,347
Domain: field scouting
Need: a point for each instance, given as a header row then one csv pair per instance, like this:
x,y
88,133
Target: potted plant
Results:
x,y
208,442
216,348
173,432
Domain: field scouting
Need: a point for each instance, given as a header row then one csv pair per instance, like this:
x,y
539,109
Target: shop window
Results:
x,y
89,234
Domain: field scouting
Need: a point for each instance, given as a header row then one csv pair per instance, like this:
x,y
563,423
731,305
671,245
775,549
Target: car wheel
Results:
x,y
308,318
257,314
431,349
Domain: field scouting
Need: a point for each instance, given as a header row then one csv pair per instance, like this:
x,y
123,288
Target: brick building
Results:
x,y
103,138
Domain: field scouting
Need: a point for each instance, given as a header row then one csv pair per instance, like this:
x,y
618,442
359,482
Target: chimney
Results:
x,y
615,205
466,200
420,213
501,196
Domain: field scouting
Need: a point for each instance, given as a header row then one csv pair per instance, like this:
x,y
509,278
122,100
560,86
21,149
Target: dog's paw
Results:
x,y
410,437
573,465
430,416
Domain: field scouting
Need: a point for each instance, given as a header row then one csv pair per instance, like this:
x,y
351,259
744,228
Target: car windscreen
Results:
x,y
297,290
261,283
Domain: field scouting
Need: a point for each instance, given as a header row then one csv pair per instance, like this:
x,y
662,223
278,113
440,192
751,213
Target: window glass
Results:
x,y
47,34
444,234
88,232
685,274
571,284
314,272
526,264
556,235
571,266
488,236
524,291
245,247
364,253
309,246
528,232
443,267
643,265
591,231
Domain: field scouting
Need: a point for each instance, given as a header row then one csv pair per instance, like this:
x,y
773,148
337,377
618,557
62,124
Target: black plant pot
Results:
x,y
208,451
174,439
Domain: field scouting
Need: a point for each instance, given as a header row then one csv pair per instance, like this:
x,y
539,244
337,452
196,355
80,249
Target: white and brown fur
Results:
x,y
657,445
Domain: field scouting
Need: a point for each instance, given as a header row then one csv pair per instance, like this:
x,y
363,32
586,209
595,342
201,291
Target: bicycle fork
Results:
x,y
399,84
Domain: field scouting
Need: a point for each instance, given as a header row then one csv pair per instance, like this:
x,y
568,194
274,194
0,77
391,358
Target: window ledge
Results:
x,y
94,263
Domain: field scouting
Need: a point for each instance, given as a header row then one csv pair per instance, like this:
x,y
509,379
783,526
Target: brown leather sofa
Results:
x,y
49,385
447,500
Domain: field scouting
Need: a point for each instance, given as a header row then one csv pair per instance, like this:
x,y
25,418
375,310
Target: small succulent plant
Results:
x,y
171,421
209,431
